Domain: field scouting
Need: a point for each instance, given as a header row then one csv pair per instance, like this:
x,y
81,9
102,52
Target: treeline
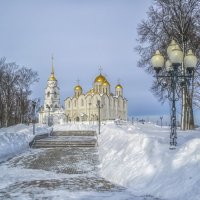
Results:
x,y
15,83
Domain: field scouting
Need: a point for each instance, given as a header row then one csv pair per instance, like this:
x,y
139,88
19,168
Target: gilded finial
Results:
x,y
52,77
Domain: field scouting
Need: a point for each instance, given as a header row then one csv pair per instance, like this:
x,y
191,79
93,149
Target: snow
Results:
x,y
134,156
138,157
16,139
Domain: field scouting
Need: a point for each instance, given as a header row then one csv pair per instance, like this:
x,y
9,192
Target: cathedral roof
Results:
x,y
106,83
101,79
78,87
119,86
52,77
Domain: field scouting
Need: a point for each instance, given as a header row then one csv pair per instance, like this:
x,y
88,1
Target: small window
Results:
x,y
55,94
48,94
82,102
69,104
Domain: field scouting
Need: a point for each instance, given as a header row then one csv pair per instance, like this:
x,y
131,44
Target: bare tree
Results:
x,y
15,90
167,19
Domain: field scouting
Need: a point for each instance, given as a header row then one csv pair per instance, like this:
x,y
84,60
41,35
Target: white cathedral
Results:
x,y
83,107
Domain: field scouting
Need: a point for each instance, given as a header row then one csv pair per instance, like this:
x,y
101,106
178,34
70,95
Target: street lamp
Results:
x,y
33,115
89,110
48,107
99,106
175,76
161,118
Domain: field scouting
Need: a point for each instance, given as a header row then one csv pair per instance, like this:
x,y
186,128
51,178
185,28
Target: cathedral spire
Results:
x,y
52,70
52,76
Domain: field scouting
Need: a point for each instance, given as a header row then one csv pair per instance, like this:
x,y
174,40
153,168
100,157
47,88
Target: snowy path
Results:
x,y
68,173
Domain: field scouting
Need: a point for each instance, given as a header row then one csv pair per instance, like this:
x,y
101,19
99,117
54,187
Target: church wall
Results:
x,y
84,106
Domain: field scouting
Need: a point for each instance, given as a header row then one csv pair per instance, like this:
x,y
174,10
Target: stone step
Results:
x,y
63,146
65,141
74,133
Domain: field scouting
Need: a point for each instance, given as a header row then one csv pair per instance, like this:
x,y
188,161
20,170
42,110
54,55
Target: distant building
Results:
x,y
83,107
52,111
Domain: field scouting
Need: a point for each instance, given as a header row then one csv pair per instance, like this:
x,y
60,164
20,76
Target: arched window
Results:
x,y
56,106
69,104
74,103
48,94
82,102
55,94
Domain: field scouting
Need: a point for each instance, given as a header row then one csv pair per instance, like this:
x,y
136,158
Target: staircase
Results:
x,y
64,139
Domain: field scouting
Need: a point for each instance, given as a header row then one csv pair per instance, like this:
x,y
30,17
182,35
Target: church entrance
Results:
x,y
77,119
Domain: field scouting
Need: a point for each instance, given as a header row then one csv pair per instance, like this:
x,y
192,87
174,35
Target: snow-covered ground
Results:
x,y
15,139
134,156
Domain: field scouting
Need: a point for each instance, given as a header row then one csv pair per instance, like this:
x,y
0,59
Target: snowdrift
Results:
x,y
138,157
15,139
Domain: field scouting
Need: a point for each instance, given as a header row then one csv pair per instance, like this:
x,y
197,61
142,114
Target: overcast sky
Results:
x,y
82,35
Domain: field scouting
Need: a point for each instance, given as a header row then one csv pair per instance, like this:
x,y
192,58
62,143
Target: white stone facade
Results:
x,y
83,107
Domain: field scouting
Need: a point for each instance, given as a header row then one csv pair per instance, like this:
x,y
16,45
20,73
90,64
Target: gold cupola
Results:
x,y
52,76
100,79
106,83
119,86
78,88
118,89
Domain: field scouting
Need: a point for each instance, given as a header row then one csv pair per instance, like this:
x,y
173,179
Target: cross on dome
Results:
x,y
78,81
100,69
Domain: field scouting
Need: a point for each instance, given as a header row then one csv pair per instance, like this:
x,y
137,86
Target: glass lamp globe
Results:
x,y
176,55
157,60
190,60
171,46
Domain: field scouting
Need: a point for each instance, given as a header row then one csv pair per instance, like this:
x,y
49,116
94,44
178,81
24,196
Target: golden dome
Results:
x,y
119,86
100,79
52,77
78,87
106,83
90,91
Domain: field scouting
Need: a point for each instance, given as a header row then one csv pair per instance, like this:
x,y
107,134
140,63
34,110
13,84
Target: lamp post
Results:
x,y
161,118
47,106
99,106
175,76
89,110
33,115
